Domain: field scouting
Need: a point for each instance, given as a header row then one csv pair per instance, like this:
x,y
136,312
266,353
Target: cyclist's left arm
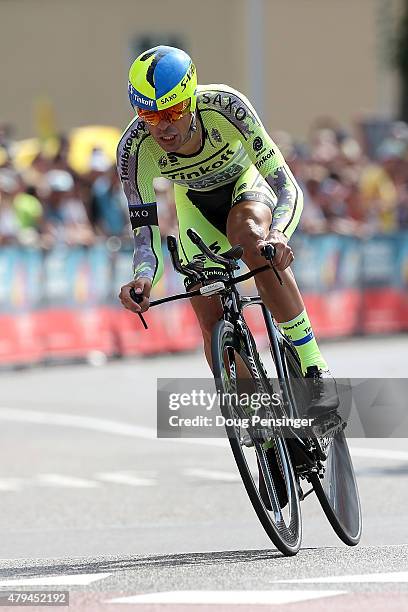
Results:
x,y
269,161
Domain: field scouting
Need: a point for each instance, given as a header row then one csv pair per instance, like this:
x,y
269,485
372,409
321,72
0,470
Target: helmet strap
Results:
x,y
192,128
193,124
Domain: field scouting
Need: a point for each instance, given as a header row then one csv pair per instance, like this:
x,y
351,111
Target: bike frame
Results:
x,y
233,304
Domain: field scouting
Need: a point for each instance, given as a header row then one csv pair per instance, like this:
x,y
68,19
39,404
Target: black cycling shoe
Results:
x,y
323,389
327,422
277,479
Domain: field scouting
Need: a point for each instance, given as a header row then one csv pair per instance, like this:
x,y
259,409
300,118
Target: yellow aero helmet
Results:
x,y
161,77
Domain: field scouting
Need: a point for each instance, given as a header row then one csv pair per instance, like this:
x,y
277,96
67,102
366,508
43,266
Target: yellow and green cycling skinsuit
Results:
x,y
237,161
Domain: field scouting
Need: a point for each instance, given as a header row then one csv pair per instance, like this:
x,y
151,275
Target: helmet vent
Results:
x,y
150,71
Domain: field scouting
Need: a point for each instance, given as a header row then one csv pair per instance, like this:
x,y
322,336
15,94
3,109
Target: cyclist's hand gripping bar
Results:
x,y
268,251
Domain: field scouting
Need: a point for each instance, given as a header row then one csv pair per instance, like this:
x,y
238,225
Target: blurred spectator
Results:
x,y
65,219
4,157
379,186
109,205
9,227
20,212
6,136
345,191
59,160
29,213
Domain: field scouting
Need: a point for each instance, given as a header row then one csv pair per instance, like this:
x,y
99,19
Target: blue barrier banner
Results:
x,y
402,262
349,264
306,266
100,267
325,263
76,277
380,260
62,276
82,277
20,279
121,272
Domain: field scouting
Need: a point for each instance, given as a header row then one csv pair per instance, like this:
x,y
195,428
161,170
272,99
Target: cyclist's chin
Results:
x,y
170,143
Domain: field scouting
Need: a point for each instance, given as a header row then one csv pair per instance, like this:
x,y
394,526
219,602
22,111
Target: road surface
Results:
x,y
93,501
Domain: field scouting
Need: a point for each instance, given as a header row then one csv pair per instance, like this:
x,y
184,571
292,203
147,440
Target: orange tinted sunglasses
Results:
x,y
174,113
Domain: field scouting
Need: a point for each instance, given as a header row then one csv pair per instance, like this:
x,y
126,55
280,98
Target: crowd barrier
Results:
x,y
63,303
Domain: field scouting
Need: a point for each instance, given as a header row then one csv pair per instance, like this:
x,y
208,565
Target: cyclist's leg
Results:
x,y
248,221
208,310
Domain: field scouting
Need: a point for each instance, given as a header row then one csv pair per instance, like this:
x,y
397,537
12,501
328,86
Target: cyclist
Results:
x,y
231,184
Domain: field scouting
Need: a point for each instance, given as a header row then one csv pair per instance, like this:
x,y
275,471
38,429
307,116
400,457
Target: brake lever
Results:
x,y
268,251
138,298
278,276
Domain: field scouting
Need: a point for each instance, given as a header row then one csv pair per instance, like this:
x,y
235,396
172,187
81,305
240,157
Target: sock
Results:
x,y
301,333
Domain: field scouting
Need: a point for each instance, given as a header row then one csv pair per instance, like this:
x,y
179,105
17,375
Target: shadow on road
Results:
x,y
133,563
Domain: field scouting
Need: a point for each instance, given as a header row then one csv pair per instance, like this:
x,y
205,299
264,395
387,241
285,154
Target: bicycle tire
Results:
x,y
337,490
286,537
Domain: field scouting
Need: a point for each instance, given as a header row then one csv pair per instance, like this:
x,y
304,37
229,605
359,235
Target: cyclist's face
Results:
x,y
170,136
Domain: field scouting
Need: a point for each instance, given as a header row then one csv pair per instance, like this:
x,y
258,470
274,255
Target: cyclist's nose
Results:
x,y
163,125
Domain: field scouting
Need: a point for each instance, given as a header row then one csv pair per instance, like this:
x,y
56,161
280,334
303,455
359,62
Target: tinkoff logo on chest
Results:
x,y
202,169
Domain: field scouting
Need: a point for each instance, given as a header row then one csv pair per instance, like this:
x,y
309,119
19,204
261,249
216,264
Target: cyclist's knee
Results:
x,y
248,236
248,223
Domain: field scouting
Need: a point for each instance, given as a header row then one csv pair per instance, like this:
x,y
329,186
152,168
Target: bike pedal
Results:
x,y
325,429
328,426
262,434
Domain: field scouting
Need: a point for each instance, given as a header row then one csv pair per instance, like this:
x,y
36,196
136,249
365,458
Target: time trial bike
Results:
x,y
291,462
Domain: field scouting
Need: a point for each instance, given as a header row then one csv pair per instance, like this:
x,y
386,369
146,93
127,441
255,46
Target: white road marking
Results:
x,y
77,421
74,482
383,577
11,484
220,442
225,597
66,580
148,433
213,475
378,453
125,479
60,480
96,424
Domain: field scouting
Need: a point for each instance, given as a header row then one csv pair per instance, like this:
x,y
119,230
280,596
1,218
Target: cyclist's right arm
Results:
x,y
136,171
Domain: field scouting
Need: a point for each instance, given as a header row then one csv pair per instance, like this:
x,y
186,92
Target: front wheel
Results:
x,y
336,485
282,522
